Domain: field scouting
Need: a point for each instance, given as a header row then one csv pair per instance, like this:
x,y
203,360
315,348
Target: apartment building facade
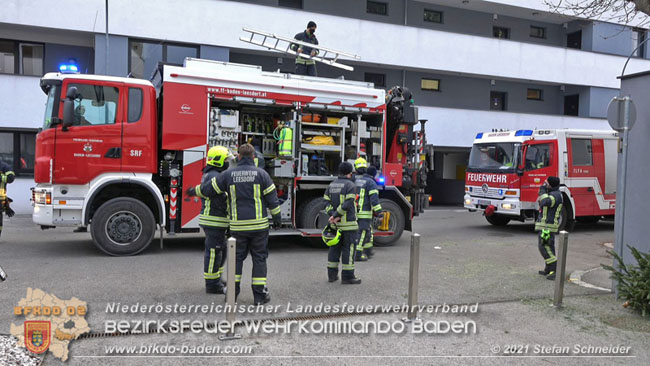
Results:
x,y
472,65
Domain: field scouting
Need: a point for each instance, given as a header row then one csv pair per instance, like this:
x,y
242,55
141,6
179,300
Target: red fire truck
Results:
x,y
117,154
506,169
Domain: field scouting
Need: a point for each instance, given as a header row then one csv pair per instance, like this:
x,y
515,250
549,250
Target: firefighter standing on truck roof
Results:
x,y
341,196
6,176
250,192
368,205
550,209
213,219
306,66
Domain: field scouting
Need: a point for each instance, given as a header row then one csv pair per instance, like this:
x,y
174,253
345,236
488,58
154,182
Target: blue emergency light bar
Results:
x,y
381,179
68,68
479,135
524,133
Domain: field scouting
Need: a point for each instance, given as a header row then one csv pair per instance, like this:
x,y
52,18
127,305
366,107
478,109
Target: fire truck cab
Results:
x,y
117,154
506,170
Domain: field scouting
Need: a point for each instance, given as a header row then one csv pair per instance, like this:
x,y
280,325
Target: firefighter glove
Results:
x,y
191,191
277,221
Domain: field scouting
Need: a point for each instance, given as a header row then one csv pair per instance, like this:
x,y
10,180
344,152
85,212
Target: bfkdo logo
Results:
x,y
49,323
37,335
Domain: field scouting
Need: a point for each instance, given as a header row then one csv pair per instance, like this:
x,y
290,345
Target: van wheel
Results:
x,y
498,220
395,223
566,221
122,226
311,214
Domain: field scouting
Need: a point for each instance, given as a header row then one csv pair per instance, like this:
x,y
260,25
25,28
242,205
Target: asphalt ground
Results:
x,y
463,260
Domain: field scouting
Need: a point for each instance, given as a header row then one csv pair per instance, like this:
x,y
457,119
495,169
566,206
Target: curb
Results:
x,y
576,278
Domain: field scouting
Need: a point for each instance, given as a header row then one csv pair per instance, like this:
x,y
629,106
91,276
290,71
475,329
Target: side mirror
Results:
x,y
68,108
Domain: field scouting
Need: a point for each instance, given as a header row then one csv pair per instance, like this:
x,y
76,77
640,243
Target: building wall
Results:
x,y
23,102
634,214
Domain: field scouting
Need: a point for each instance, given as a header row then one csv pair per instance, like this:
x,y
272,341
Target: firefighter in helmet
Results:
x,y
341,208
550,209
369,206
251,193
6,176
213,218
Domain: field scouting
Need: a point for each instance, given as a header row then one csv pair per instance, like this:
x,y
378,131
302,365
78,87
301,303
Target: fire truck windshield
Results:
x,y
49,105
494,156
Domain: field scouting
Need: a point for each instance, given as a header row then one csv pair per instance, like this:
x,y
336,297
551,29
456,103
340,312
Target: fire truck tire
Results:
x,y
566,221
498,220
122,226
396,223
310,214
588,219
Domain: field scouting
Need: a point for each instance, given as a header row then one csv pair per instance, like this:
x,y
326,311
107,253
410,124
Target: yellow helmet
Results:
x,y
331,235
217,156
360,163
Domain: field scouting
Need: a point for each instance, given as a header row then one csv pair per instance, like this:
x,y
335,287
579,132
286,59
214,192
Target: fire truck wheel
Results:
x,y
395,224
122,226
310,215
498,220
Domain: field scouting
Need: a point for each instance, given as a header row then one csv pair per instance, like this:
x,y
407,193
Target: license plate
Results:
x,y
484,202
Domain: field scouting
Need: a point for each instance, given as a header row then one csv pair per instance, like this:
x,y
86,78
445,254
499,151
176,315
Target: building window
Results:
x,y
432,16
21,58
17,149
430,84
638,36
376,7
537,32
377,79
535,94
144,56
501,32
296,4
572,105
581,153
498,101
574,40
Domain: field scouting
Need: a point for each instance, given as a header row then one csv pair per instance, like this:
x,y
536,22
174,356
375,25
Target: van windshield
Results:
x,y
494,156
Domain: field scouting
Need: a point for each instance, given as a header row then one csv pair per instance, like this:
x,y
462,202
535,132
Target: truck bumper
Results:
x,y
510,206
53,211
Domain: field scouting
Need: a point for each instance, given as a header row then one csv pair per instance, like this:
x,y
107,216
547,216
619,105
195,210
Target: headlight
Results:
x,y
43,198
468,201
507,206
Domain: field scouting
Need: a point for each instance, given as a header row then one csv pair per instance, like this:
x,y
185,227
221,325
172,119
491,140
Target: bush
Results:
x,y
633,281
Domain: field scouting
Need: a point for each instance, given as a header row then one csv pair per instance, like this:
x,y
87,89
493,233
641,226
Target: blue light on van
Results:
x,y
381,179
479,135
68,68
524,133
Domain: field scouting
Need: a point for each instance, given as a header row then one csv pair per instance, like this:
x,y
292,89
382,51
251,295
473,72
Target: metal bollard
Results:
x,y
414,271
230,290
560,271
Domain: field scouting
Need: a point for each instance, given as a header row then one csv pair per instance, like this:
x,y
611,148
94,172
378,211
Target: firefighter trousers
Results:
x,y
255,242
215,256
303,69
364,235
343,252
547,250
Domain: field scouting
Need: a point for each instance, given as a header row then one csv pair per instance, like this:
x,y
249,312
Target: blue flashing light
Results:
x,y
524,133
68,68
381,179
479,135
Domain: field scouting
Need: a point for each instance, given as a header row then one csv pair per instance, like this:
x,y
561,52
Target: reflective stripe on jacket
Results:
x,y
550,209
368,196
304,37
214,209
251,193
341,196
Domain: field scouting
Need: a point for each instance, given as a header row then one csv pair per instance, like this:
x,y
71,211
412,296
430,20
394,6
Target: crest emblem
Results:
x,y
88,147
37,335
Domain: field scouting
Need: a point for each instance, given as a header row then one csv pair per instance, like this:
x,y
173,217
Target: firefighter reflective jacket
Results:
x,y
550,209
214,207
341,197
6,175
308,38
250,193
368,196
